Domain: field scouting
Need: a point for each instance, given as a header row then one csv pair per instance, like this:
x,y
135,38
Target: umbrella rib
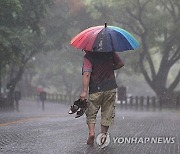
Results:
x,y
88,42
80,38
83,37
90,38
85,31
124,42
128,36
111,42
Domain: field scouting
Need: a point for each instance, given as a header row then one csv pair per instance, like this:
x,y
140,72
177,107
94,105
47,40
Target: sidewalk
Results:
x,y
57,132
29,108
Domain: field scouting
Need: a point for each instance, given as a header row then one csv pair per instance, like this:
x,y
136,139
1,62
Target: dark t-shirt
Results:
x,y
102,73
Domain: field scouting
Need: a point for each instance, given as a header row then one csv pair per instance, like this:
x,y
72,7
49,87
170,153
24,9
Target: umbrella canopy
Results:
x,y
104,39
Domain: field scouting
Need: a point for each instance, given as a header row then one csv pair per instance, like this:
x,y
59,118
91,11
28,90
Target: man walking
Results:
x,y
99,81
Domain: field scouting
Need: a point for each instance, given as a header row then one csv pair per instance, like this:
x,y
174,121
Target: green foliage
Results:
x,y
9,12
21,35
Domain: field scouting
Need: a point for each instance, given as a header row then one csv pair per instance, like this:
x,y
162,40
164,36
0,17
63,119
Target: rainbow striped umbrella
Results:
x,y
104,39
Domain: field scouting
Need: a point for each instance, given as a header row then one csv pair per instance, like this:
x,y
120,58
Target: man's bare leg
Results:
x,y
91,127
104,129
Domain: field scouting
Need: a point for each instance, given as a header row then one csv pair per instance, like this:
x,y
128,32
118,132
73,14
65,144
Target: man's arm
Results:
x,y
86,72
117,62
118,66
86,79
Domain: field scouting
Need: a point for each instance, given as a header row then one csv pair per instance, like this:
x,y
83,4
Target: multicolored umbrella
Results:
x,y
104,39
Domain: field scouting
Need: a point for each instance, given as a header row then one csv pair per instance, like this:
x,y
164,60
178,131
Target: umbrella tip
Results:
x,y
105,24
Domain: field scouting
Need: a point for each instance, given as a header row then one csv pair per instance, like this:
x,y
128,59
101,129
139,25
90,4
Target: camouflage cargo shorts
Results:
x,y
104,100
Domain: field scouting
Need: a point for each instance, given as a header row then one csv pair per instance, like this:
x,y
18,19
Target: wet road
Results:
x,y
53,131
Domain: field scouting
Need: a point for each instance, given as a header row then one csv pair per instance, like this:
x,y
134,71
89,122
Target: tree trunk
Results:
x,y
12,85
166,98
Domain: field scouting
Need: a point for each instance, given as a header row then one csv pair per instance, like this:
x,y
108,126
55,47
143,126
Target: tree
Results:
x,y
156,23
21,36
157,37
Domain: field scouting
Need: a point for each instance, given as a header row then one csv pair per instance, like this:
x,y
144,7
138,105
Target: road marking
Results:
x,y
30,119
